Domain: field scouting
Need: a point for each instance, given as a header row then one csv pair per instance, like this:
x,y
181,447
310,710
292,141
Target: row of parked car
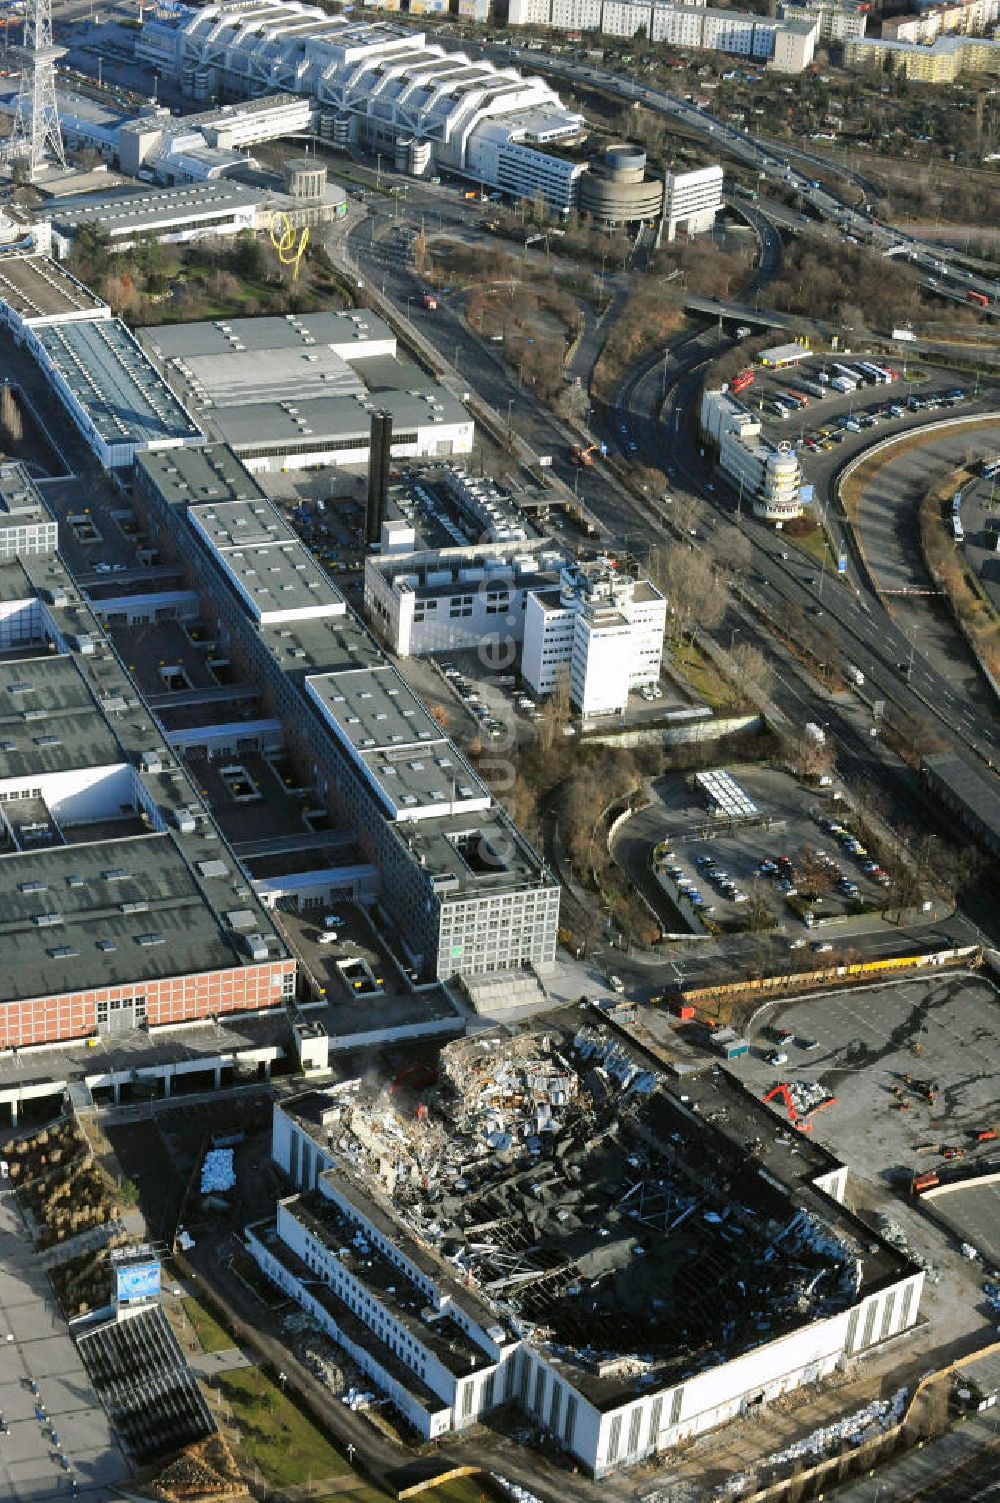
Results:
x,y
473,701
710,870
851,845
835,429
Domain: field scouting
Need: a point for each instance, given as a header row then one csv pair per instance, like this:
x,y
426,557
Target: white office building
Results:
x,y
602,627
447,599
26,526
691,200
766,474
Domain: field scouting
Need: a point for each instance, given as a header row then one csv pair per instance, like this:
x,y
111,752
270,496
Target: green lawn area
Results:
x,y
816,547
699,671
277,1437
290,1451
208,1331
461,1490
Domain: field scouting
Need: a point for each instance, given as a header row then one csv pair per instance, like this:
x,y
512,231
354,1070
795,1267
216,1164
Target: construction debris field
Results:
x,y
553,1171
884,1052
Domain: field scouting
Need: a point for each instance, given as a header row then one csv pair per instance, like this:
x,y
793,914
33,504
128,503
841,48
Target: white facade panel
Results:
x,y
624,18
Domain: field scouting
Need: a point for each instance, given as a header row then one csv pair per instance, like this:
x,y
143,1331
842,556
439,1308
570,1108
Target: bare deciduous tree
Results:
x,y
733,553
696,596
11,422
752,672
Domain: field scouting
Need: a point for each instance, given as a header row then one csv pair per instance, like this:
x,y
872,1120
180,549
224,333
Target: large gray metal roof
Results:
x,y
349,333
123,394
80,890
325,420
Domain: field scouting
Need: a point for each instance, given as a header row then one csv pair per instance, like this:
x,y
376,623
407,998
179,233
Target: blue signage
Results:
x,y
137,1281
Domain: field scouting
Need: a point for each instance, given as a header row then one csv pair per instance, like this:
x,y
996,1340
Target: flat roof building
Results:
x,y
461,889
968,793
111,390
446,599
26,525
288,393
35,291
187,211
765,473
786,46
120,902
600,627
691,200
942,61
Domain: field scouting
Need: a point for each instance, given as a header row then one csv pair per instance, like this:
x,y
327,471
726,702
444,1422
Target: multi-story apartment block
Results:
x,y
838,19
943,61
786,46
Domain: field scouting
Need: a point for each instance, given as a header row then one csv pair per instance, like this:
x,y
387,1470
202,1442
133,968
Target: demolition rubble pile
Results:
x,y
853,1430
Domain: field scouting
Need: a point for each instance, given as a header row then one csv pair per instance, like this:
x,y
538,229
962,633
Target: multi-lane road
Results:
x,y
656,404
775,167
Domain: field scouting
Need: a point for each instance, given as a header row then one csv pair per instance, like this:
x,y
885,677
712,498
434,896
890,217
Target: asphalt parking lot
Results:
x,y
867,405
676,833
36,1347
942,1031
973,1215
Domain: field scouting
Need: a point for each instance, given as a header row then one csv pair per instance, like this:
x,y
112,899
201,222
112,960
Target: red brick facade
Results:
x,y
169,999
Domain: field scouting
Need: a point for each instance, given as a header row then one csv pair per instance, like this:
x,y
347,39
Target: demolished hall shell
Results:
x,y
630,1269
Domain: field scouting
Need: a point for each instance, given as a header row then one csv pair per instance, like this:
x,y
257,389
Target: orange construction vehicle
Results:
x,y
799,1120
922,1182
581,456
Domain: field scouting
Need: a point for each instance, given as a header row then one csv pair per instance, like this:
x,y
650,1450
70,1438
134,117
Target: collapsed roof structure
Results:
x,y
646,1249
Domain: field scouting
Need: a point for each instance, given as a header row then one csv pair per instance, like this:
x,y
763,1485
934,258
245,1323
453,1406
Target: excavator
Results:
x,y
798,1120
581,456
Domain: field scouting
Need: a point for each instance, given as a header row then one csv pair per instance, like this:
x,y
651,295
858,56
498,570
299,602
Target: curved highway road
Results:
x,y
774,166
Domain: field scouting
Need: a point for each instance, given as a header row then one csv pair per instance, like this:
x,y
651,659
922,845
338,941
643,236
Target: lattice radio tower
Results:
x,y
36,136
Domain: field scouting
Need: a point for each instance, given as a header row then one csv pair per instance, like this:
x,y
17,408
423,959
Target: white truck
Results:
x,y
815,733
855,676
